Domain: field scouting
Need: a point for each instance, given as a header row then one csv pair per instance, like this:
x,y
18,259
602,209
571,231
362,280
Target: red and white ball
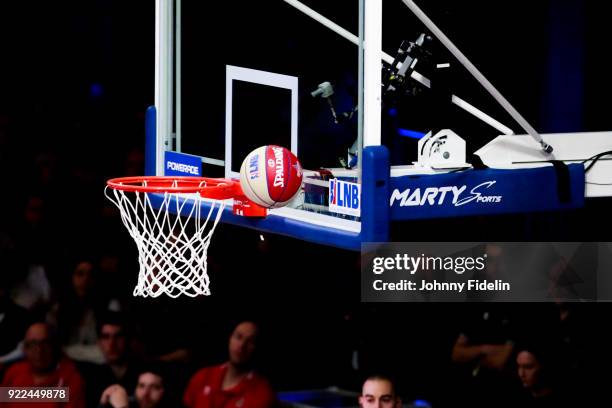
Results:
x,y
271,176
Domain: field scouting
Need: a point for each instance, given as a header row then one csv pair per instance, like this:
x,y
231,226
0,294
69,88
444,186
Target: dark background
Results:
x,y
75,80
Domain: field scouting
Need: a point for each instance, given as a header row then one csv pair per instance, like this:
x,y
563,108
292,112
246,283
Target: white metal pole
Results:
x,y
477,74
177,75
163,79
360,62
372,73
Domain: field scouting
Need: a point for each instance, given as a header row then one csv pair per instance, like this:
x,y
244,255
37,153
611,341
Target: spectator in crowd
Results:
x,y
14,320
535,372
485,343
118,366
32,288
379,392
481,354
44,366
76,314
150,392
234,383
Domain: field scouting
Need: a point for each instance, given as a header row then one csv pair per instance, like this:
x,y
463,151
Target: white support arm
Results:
x,y
372,74
477,74
163,78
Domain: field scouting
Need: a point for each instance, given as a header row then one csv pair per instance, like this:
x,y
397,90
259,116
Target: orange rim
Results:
x,y
215,188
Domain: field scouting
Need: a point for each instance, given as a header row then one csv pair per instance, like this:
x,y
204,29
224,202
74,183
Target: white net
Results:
x,y
172,232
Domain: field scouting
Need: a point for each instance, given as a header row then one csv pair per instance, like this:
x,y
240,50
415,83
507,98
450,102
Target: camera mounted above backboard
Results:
x,y
396,78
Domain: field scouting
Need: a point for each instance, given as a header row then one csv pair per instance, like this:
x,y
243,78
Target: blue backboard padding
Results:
x,y
501,191
150,141
280,225
374,194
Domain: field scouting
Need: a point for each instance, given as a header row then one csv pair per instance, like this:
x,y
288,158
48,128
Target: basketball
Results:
x,y
271,176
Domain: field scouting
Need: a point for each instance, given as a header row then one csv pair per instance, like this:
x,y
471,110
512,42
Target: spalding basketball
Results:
x,y
271,176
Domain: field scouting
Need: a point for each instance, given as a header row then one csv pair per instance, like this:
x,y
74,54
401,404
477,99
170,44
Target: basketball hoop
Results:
x,y
165,216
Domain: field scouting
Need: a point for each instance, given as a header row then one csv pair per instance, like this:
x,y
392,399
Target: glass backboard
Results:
x,y
234,76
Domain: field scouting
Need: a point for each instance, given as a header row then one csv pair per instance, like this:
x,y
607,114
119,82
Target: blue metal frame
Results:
x,y
150,141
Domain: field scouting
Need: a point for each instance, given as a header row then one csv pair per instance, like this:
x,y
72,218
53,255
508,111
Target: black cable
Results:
x,y
455,170
595,159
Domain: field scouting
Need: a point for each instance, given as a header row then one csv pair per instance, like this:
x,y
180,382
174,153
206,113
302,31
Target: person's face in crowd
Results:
x,y
38,348
82,278
149,390
378,393
242,343
112,343
529,369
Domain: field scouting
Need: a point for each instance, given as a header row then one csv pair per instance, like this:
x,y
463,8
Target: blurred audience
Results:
x,y
76,313
234,383
118,367
32,289
481,354
14,320
45,366
150,392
